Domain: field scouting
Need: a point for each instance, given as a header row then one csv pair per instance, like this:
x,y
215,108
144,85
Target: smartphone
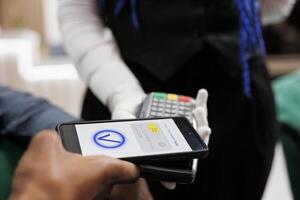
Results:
x,y
180,172
137,141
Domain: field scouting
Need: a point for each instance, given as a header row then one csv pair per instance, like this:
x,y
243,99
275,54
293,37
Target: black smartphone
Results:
x,y
180,172
138,141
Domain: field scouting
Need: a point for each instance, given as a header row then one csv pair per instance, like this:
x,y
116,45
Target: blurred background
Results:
x,y
32,59
31,53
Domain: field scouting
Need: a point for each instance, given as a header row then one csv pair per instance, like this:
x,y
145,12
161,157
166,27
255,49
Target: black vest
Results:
x,y
172,31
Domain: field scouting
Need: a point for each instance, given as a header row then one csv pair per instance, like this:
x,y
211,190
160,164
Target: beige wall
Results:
x,y
22,14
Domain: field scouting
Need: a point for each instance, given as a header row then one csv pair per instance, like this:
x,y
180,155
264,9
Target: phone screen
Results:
x,y
131,138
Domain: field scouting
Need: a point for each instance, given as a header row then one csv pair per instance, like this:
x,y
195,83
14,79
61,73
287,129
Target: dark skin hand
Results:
x,y
136,191
47,171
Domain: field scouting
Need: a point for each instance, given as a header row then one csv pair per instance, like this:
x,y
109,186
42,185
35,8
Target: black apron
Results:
x,y
202,54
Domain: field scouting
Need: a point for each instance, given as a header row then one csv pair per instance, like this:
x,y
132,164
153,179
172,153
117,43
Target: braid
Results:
x,y
120,5
251,38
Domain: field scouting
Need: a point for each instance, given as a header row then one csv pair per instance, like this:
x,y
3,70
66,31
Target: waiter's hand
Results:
x,y
125,103
47,171
200,115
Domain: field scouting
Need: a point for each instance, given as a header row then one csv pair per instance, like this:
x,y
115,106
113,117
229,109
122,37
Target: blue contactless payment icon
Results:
x,y
109,139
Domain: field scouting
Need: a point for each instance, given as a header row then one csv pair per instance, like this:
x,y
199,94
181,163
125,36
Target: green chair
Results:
x,y
287,97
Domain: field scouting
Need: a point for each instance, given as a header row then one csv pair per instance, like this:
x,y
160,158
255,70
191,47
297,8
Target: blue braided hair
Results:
x,y
251,38
120,6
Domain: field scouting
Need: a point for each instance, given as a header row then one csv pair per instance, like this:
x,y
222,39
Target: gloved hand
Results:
x,y
200,114
125,104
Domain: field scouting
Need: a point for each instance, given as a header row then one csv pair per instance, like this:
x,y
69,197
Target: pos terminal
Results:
x,y
158,104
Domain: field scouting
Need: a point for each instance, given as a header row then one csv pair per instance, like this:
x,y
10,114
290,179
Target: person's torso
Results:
x,y
172,31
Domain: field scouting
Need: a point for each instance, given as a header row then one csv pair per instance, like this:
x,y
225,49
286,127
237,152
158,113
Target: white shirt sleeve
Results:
x,y
93,47
276,11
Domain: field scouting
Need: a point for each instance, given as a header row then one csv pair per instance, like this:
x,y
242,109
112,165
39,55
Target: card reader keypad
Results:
x,y
170,105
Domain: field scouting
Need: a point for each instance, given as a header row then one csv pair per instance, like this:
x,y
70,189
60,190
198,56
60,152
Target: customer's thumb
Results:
x,y
118,172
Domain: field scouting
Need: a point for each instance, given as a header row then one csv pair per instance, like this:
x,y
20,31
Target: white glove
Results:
x,y
276,11
200,114
125,103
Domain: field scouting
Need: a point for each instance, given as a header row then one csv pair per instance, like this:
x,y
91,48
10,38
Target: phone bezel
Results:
x,y
68,134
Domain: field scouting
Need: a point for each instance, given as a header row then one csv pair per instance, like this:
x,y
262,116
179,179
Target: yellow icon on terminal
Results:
x,y
172,97
153,128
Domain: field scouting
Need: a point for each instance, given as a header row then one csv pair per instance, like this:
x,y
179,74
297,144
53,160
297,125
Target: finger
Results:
x,y
201,99
169,185
137,190
45,141
204,132
202,124
115,171
200,117
122,114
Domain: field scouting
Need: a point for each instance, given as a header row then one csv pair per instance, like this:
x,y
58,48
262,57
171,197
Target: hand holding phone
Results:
x,y
45,159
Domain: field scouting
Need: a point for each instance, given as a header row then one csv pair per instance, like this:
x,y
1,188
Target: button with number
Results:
x,y
168,106
159,110
154,109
